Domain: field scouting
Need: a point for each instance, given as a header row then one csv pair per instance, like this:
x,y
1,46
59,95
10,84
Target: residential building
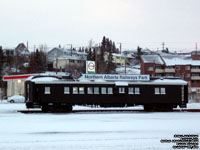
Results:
x,y
186,67
183,66
120,59
134,52
61,63
62,53
20,50
152,64
57,52
9,52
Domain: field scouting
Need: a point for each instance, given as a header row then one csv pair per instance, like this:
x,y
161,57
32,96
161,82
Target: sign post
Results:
x,y
90,67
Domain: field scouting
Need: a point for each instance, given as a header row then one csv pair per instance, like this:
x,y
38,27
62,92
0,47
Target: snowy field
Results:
x,y
93,131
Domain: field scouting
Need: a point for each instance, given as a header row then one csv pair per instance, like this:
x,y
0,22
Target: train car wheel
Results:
x,y
44,108
148,108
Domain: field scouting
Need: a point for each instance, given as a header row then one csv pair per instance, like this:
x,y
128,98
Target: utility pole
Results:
x,y
27,45
120,47
71,49
196,47
163,45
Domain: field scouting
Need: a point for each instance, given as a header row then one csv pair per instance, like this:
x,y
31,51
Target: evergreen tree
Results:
x,y
37,62
101,63
90,55
110,65
86,50
107,47
139,52
43,58
115,50
32,64
167,50
83,49
79,50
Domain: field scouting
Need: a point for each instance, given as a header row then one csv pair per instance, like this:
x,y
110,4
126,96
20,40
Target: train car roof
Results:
x,y
54,80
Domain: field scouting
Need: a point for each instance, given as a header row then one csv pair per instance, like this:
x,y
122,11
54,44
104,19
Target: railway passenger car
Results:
x,y
55,94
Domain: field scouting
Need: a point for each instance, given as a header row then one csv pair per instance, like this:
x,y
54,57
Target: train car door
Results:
x,y
121,88
121,91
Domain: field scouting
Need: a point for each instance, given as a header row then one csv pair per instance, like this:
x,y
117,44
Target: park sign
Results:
x,y
114,77
90,67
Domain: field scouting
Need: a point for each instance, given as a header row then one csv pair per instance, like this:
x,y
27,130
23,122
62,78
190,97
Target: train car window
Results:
x,y
96,90
75,90
81,90
103,90
66,90
137,90
110,90
157,91
130,90
90,90
162,91
121,90
47,90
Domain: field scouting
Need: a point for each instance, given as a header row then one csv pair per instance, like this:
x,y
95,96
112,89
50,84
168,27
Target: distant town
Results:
x,y
108,59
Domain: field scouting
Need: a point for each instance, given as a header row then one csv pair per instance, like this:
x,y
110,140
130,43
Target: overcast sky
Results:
x,y
146,23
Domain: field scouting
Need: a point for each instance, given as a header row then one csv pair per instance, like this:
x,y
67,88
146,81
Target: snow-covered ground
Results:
x,y
95,131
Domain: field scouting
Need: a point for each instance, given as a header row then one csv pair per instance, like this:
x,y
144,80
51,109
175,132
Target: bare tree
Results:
x,y
91,44
43,54
43,47
73,67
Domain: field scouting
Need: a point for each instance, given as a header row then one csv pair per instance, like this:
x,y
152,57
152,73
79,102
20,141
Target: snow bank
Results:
x,y
89,131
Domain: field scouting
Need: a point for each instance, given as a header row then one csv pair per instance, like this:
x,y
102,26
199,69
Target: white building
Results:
x,y
15,84
63,61
58,52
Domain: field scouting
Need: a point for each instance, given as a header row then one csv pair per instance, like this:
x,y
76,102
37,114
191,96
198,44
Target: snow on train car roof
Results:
x,y
121,83
44,79
53,80
170,81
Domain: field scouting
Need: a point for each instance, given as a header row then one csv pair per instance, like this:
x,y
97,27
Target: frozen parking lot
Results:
x,y
120,131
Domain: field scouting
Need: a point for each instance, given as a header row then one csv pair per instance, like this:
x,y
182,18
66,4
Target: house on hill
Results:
x,y
71,57
20,50
120,59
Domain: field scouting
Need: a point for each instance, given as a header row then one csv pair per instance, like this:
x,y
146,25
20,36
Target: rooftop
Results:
x,y
172,60
152,59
